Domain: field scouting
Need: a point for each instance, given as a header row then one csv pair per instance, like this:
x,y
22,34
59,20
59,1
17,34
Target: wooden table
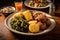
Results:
x,y
52,35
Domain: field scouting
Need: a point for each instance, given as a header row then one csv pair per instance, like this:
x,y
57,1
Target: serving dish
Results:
x,y
51,27
7,10
48,5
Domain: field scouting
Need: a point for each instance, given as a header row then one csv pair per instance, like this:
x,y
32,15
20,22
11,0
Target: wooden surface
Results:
x,y
4,30
52,35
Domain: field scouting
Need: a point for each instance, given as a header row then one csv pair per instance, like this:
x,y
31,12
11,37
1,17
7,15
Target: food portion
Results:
x,y
8,9
37,3
27,14
34,28
30,21
19,24
18,15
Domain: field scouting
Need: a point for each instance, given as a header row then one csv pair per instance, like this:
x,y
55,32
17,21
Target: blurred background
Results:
x,y
4,2
11,3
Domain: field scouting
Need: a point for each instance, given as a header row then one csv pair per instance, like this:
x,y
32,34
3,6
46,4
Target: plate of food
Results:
x,y
30,22
37,4
7,10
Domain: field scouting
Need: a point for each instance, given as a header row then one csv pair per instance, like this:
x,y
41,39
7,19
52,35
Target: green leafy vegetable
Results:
x,y
19,24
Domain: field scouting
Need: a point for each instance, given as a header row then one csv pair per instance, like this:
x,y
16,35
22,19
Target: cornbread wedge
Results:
x,y
34,28
32,22
27,14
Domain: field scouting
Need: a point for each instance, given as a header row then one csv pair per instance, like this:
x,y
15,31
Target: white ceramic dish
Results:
x,y
12,9
36,7
51,27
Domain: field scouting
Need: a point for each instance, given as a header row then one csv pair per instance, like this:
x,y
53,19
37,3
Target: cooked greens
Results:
x,y
19,24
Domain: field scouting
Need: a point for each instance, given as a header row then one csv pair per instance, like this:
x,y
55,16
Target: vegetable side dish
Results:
x,y
37,3
30,21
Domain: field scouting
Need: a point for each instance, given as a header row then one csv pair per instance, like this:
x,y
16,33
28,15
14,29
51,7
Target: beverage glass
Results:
x,y
18,6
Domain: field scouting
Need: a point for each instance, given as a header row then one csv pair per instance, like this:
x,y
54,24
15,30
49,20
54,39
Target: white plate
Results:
x,y
51,27
26,1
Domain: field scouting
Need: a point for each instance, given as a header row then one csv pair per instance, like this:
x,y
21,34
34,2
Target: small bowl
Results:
x,y
51,27
4,9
